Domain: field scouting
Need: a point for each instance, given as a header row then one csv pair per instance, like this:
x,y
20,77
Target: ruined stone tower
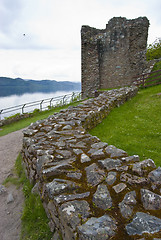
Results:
x,y
113,56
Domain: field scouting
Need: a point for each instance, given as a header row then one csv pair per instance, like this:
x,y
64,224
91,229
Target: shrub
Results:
x,y
154,50
13,116
36,110
157,66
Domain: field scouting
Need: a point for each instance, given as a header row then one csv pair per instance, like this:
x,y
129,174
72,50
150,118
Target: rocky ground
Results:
x,y
11,199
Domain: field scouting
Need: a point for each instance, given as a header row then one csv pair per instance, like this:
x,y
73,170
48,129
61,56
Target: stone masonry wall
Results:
x,y
89,189
113,56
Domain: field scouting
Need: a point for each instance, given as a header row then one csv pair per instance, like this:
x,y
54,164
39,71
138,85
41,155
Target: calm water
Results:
x,y
15,100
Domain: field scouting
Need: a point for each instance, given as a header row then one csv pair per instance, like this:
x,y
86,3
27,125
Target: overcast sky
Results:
x,y
40,39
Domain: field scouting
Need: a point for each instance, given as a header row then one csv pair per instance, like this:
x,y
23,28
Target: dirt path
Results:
x,y
11,199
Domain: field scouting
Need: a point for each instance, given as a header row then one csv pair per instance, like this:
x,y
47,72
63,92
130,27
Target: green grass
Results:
x,y
27,121
34,219
135,126
18,176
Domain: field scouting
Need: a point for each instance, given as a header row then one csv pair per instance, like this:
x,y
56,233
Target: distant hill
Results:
x,y
18,86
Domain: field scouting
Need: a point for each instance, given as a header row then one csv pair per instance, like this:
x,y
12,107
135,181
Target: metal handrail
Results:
x,y
59,100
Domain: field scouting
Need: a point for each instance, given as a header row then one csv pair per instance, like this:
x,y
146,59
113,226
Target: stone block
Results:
x,y
94,174
109,163
126,206
58,186
143,223
98,228
150,200
141,167
114,152
155,176
102,198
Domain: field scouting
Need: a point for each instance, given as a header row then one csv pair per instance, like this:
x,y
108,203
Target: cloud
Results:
x,y
10,13
38,65
51,46
49,24
15,16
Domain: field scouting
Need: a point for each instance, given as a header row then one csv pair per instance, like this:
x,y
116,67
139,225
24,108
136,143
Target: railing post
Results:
x,y
138,82
1,113
80,96
143,80
64,99
73,96
41,105
51,101
23,108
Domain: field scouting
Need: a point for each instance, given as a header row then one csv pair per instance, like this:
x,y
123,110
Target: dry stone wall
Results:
x,y
111,57
89,189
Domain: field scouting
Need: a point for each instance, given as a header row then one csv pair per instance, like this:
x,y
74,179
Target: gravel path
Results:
x,y
11,199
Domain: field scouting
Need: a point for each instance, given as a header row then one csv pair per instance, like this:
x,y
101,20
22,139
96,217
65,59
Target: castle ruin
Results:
x,y
111,57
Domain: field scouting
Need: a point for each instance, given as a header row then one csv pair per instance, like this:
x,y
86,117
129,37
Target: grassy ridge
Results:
x,y
135,126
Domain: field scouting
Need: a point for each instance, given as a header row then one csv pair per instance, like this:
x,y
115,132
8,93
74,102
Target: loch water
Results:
x,y
15,100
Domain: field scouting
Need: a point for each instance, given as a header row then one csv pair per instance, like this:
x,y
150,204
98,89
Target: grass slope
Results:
x,y
135,126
